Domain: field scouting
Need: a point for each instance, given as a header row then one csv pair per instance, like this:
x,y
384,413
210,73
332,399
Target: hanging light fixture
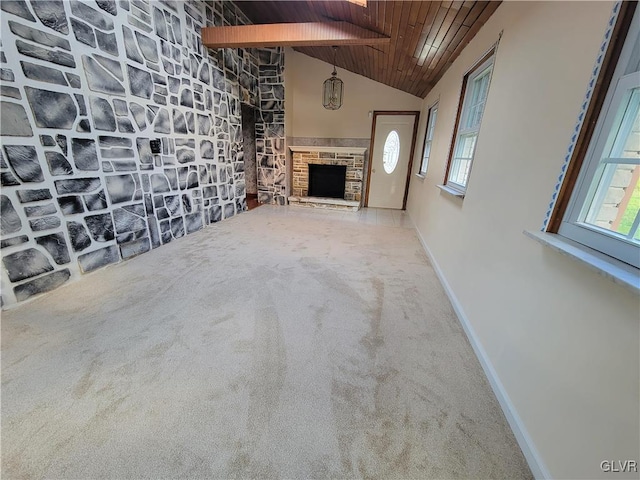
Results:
x,y
332,88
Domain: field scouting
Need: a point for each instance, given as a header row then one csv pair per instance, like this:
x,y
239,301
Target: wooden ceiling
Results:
x,y
426,36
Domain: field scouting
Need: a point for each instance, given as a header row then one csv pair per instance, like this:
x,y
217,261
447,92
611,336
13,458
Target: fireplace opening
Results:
x,y
327,180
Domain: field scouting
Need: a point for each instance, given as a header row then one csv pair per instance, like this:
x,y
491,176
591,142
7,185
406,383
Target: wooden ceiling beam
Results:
x,y
291,35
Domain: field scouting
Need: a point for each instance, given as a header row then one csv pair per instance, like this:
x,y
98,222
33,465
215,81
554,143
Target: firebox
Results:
x,y
327,180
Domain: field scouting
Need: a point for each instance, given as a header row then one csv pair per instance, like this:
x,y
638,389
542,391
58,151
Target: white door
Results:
x,y
392,140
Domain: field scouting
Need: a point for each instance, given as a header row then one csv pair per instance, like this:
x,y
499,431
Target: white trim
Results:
x,y
612,268
451,191
525,442
325,200
313,148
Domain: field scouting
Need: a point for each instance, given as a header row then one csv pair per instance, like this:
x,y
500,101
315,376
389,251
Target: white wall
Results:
x,y
288,91
288,113
304,78
563,340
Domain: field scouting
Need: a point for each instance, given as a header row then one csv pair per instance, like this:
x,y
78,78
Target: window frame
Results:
x,y
432,117
487,61
393,134
582,167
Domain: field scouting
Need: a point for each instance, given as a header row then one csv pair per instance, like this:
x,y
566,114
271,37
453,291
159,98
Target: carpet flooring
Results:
x,y
282,343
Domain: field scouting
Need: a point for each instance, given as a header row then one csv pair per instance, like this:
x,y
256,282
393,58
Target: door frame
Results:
x,y
416,121
254,112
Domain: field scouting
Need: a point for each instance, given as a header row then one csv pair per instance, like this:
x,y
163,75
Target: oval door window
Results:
x,y
391,152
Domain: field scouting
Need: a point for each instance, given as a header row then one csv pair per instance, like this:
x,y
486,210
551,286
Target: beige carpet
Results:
x,y
283,343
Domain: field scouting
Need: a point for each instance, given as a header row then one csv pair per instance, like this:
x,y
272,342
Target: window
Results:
x,y
603,210
391,152
475,88
428,138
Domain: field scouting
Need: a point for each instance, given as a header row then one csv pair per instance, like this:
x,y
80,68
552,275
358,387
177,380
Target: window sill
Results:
x,y
617,271
451,191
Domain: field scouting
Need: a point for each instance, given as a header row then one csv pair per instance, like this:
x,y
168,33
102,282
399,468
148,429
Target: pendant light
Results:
x,y
332,88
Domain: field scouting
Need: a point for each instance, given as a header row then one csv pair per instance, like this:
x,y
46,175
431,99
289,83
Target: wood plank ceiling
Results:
x,y
426,36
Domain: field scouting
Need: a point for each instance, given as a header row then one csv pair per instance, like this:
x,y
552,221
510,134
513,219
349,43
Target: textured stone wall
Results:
x,y
332,142
354,175
85,86
270,140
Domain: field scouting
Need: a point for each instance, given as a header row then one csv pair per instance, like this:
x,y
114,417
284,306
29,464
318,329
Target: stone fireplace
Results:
x,y
306,158
327,181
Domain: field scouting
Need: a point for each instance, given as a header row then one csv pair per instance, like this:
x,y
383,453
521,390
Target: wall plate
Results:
x,y
156,147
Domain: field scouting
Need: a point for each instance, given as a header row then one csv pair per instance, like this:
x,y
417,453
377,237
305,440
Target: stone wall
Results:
x,y
270,140
86,85
332,142
354,175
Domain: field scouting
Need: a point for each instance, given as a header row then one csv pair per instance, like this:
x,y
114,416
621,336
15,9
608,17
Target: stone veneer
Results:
x,y
270,140
352,158
85,85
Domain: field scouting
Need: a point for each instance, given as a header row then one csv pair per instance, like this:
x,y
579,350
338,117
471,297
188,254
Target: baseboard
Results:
x,y
527,446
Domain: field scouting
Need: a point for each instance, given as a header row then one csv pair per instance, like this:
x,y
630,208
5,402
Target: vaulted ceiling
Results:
x,y
426,36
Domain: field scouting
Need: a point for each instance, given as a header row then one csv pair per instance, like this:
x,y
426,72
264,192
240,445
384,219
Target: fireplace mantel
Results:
x,y
316,148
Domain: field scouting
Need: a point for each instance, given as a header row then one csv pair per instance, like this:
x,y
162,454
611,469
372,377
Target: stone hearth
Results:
x,y
351,157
